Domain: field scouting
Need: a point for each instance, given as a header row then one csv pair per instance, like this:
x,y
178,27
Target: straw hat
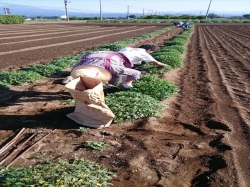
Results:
x,y
91,71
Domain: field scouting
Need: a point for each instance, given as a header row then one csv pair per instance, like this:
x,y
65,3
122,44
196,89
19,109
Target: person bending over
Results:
x,y
120,63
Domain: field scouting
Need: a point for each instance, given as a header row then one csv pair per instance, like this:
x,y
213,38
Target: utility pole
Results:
x,y
208,8
100,9
66,10
143,12
128,12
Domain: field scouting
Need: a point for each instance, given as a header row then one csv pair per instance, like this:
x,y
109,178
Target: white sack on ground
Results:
x,y
90,109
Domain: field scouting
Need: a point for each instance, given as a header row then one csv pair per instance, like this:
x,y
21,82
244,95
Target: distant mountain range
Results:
x,y
34,12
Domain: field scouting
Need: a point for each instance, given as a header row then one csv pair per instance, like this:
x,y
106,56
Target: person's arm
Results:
x,y
148,58
159,63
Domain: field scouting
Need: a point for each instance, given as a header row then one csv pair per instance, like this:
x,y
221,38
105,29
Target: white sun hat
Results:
x,y
91,71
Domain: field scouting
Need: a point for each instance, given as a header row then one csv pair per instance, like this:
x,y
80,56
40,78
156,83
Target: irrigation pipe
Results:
x,y
4,148
18,148
29,148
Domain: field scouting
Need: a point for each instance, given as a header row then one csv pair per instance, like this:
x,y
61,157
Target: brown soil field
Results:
x,y
40,43
201,140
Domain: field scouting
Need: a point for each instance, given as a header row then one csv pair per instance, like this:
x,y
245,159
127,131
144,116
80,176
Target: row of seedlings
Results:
x,y
144,98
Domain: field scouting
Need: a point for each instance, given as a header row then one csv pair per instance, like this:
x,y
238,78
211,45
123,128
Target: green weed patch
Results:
x,y
77,173
94,145
128,105
179,48
172,59
153,69
18,77
155,87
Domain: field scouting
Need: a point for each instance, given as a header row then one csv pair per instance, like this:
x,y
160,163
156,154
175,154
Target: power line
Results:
x,y
70,9
107,1
46,7
30,6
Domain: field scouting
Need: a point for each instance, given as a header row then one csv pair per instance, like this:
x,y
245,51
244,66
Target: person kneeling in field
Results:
x,y
116,63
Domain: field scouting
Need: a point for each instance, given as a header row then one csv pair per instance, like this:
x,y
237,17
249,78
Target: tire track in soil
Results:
x,y
236,160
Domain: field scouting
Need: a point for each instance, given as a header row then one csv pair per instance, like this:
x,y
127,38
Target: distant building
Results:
x,y
63,17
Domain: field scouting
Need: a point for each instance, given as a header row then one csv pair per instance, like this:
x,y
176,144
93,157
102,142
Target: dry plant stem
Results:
x,y
18,148
29,148
12,141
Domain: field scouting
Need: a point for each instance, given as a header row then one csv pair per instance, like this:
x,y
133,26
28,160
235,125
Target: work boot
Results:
x,y
127,84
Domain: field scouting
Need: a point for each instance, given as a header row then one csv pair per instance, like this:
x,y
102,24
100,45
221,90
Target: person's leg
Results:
x,y
132,74
127,83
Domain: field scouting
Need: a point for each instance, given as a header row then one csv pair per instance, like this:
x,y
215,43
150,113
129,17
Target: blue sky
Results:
x,y
138,6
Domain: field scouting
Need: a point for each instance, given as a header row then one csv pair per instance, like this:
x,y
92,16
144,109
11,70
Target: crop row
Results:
x,y
144,99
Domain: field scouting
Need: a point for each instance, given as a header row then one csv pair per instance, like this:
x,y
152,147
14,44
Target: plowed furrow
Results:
x,y
243,48
54,40
232,77
239,31
35,35
240,64
25,32
27,27
195,101
42,46
198,92
45,53
241,42
224,105
235,75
